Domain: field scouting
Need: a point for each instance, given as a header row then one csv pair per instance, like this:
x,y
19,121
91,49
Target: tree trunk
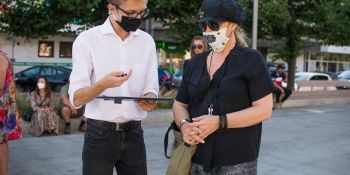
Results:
x,y
291,72
292,43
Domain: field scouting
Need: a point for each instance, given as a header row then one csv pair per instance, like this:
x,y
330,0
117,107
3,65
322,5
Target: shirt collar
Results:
x,y
108,29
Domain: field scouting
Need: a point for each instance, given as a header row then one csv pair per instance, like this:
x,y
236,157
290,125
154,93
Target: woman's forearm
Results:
x,y
180,112
251,116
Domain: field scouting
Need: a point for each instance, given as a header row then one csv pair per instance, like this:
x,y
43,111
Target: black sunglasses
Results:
x,y
199,46
213,25
144,13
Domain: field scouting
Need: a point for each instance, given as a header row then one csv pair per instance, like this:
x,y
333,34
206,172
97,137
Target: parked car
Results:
x,y
344,76
310,76
163,75
56,75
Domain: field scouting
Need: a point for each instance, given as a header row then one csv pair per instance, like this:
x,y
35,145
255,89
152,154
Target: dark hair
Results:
x,y
280,66
205,44
48,90
118,2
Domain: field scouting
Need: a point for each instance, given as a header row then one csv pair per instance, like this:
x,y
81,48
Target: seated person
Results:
x,y
68,111
44,118
170,91
278,77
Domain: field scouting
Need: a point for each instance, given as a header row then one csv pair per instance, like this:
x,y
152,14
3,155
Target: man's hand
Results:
x,y
114,79
147,105
282,90
74,111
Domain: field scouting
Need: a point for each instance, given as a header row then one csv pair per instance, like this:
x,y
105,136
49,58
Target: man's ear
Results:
x,y
110,7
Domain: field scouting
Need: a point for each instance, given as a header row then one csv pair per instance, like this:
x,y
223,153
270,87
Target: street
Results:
x,y
308,140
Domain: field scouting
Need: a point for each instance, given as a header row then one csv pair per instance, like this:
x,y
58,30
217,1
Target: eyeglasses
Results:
x,y
213,25
134,14
199,46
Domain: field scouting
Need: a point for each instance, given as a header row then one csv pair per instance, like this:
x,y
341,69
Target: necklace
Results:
x,y
210,109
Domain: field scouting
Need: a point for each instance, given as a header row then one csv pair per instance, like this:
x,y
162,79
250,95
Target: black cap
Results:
x,y
222,11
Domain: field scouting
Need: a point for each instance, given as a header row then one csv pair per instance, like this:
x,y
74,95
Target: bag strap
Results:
x,y
166,141
42,101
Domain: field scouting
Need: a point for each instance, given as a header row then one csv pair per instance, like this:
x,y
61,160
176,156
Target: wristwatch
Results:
x,y
182,122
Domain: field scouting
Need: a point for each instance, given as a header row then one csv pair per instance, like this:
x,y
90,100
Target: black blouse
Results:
x,y
242,79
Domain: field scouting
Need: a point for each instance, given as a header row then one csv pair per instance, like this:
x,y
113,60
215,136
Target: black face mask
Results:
x,y
129,24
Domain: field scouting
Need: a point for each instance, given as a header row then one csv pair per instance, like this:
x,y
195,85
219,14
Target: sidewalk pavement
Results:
x,y
306,140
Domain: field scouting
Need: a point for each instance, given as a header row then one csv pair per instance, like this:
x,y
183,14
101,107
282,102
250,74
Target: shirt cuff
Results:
x,y
71,99
153,91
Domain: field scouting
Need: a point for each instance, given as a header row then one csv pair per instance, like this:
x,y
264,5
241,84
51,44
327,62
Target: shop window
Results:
x,y
66,49
46,49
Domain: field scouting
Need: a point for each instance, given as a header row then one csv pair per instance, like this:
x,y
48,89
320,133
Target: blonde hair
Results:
x,y
239,35
205,44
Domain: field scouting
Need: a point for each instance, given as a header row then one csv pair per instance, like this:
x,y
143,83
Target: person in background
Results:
x,y
198,45
9,116
68,111
278,78
44,119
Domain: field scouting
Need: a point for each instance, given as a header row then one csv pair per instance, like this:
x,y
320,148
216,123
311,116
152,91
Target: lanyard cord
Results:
x,y
210,109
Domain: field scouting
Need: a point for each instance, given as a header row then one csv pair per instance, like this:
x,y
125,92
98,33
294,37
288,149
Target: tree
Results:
x,y
41,18
179,17
292,22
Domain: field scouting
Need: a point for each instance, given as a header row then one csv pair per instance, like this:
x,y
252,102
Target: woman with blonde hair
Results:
x,y
225,95
198,45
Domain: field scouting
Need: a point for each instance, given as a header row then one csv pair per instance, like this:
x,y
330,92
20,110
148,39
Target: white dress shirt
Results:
x,y
100,51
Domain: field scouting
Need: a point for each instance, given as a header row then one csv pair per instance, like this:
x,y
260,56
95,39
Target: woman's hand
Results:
x,y
207,124
190,134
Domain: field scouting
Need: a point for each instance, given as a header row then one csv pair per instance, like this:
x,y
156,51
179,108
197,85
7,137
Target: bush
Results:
x,y
22,101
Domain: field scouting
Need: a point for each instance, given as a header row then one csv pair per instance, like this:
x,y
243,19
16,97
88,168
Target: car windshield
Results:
x,y
301,77
345,75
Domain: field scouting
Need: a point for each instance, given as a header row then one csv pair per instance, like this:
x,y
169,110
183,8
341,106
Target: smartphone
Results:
x,y
125,74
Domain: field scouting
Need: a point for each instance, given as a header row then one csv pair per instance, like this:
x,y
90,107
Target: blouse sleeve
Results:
x,y
259,79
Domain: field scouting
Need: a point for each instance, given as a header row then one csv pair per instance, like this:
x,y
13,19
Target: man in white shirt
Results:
x,y
101,57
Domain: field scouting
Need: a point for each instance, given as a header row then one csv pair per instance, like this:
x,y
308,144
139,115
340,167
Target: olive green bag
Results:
x,y
181,154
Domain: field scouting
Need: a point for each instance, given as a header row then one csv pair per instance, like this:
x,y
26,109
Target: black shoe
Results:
x,y
67,129
82,128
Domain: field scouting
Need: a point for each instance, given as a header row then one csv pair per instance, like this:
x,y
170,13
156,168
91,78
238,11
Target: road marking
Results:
x,y
315,111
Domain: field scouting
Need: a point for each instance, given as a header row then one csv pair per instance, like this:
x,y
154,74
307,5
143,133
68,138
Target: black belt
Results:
x,y
115,126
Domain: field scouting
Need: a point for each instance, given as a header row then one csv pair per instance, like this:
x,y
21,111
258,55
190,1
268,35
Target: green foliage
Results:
x,y
42,18
290,22
178,16
22,102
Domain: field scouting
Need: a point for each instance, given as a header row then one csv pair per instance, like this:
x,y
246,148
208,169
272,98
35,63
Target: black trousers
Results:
x,y
108,146
287,93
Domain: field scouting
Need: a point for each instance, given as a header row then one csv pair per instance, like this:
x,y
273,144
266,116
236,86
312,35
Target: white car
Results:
x,y
311,76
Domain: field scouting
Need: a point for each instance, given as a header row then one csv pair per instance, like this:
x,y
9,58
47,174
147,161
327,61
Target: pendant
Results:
x,y
210,109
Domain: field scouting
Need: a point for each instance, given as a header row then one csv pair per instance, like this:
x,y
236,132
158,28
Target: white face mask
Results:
x,y
217,39
41,85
